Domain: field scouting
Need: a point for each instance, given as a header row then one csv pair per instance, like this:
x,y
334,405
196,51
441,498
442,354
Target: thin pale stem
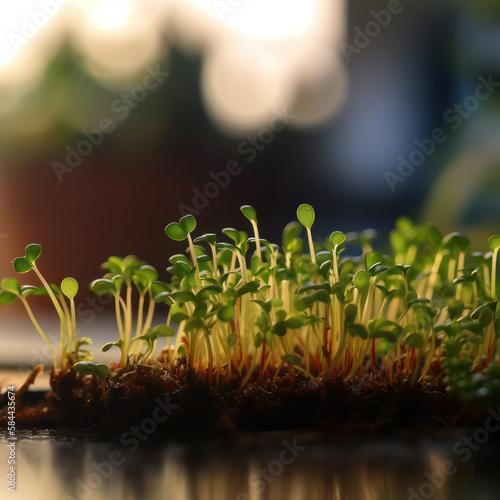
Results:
x,y
39,329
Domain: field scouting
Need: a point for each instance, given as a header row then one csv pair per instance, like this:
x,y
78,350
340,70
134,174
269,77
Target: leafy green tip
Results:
x,y
249,212
176,232
306,215
69,287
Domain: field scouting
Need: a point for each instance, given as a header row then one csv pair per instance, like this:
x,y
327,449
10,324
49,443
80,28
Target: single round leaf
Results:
x,y
494,243
486,316
362,279
182,296
7,298
114,264
382,347
210,238
163,331
181,350
305,214
232,339
85,366
299,304
234,234
455,308
141,282
337,238
415,340
107,347
188,222
32,252
293,359
176,232
319,296
226,313
296,321
291,233
21,265
101,370
102,286
149,272
178,314
69,287
249,212
257,340
191,280
457,240
117,283
358,330
351,312
11,285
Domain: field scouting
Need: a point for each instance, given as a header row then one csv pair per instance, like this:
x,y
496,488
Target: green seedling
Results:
x,y
151,336
427,302
109,345
494,243
306,216
69,287
250,213
181,230
100,371
69,344
133,273
27,263
11,289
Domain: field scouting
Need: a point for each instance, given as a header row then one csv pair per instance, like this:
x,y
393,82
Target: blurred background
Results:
x,y
119,116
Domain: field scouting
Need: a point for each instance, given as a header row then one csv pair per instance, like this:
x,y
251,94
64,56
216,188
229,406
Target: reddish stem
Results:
x,y
301,342
488,358
412,357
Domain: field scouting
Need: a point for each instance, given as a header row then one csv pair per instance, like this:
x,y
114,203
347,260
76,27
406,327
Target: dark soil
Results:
x,y
362,405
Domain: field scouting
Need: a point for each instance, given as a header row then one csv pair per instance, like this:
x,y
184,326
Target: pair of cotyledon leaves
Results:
x,y
11,289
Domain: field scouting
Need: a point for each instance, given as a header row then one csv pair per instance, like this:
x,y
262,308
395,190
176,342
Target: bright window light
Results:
x,y
271,19
20,22
109,15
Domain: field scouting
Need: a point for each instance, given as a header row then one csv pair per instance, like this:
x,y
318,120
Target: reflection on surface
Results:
x,y
257,468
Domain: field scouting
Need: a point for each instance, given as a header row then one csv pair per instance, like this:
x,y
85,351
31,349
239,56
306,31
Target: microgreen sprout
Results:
x,y
101,373
133,273
11,289
181,230
258,316
324,315
306,216
151,336
69,287
27,263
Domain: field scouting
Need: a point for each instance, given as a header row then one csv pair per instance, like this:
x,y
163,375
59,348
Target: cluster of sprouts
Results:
x,y
62,298
249,309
